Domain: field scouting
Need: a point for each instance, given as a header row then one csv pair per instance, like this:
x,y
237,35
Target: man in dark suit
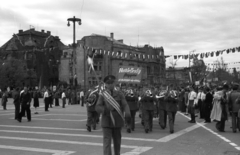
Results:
x,y
25,100
16,101
112,121
234,103
208,106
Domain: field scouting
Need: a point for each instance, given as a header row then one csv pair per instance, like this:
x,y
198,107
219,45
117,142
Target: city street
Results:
x,y
62,131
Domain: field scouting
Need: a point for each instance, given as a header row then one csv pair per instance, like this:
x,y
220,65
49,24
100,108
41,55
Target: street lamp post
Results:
x,y
74,57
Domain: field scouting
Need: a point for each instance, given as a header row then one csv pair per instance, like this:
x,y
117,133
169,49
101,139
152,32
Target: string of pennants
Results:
x,y
214,64
207,54
214,69
120,54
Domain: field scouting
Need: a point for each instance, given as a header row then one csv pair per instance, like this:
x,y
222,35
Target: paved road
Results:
x,y
62,131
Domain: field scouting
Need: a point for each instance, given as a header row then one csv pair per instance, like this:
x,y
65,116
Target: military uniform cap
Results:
x,y
109,79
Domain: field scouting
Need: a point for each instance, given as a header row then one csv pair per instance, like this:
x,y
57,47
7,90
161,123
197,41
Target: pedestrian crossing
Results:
x,y
65,133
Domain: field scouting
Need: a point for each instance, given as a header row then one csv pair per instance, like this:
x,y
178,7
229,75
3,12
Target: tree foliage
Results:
x,y
13,73
198,69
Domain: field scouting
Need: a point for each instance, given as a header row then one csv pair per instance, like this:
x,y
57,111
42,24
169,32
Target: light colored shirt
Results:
x,y
45,94
81,94
192,95
201,96
63,95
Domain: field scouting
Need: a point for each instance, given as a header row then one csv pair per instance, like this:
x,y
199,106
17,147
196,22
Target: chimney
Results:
x,y
42,31
49,32
20,31
112,35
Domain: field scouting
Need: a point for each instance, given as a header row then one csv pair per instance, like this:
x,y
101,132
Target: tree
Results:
x,y
172,65
13,73
220,71
198,69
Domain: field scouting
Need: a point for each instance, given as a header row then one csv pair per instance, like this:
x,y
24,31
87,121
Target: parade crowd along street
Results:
x,y
118,107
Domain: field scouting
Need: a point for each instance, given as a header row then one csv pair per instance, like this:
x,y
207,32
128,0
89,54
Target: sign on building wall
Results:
x,y
129,74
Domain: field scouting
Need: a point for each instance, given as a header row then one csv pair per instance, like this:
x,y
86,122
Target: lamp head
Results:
x,y
68,24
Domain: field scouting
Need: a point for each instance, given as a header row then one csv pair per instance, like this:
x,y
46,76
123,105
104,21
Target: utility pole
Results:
x,y
74,57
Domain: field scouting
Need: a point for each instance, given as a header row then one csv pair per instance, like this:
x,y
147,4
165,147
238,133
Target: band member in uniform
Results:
x,y
171,107
92,115
147,104
162,109
132,101
111,104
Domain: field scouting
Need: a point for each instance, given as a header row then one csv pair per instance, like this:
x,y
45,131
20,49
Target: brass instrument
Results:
x,y
92,98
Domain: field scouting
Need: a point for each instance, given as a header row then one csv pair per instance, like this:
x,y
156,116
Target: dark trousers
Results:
x,y
220,125
92,117
131,124
191,110
201,110
4,104
108,135
148,119
162,118
82,99
26,108
63,102
171,119
56,102
17,110
207,113
46,101
235,121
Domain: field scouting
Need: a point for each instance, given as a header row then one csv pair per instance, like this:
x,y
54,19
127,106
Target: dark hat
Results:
x,y
109,79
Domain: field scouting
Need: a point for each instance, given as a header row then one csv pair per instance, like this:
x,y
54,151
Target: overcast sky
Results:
x,y
179,26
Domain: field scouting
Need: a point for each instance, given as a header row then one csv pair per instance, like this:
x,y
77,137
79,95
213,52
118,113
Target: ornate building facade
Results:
x,y
110,54
40,50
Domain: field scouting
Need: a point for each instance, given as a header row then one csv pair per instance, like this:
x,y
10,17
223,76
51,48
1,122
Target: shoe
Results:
x,y
172,131
29,120
46,110
132,129
192,121
88,128
146,130
36,113
234,131
19,120
186,114
94,127
128,130
142,123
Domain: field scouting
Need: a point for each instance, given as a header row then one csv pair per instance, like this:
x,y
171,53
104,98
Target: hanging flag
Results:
x,y
90,58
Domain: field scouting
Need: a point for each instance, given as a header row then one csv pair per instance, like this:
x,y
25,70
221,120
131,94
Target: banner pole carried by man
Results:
x,y
111,104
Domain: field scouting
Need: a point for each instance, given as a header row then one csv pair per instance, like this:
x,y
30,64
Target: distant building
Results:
x,y
40,50
112,54
177,75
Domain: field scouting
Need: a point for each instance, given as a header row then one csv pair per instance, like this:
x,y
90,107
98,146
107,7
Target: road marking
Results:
x,y
7,114
51,119
136,149
74,135
55,152
50,128
213,132
177,134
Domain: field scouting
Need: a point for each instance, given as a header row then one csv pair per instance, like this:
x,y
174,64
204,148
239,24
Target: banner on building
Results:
x,y
129,74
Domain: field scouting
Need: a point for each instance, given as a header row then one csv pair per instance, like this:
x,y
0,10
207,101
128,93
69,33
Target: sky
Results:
x,y
179,26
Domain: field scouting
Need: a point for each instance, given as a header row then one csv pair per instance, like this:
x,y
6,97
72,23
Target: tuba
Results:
x,y
92,98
